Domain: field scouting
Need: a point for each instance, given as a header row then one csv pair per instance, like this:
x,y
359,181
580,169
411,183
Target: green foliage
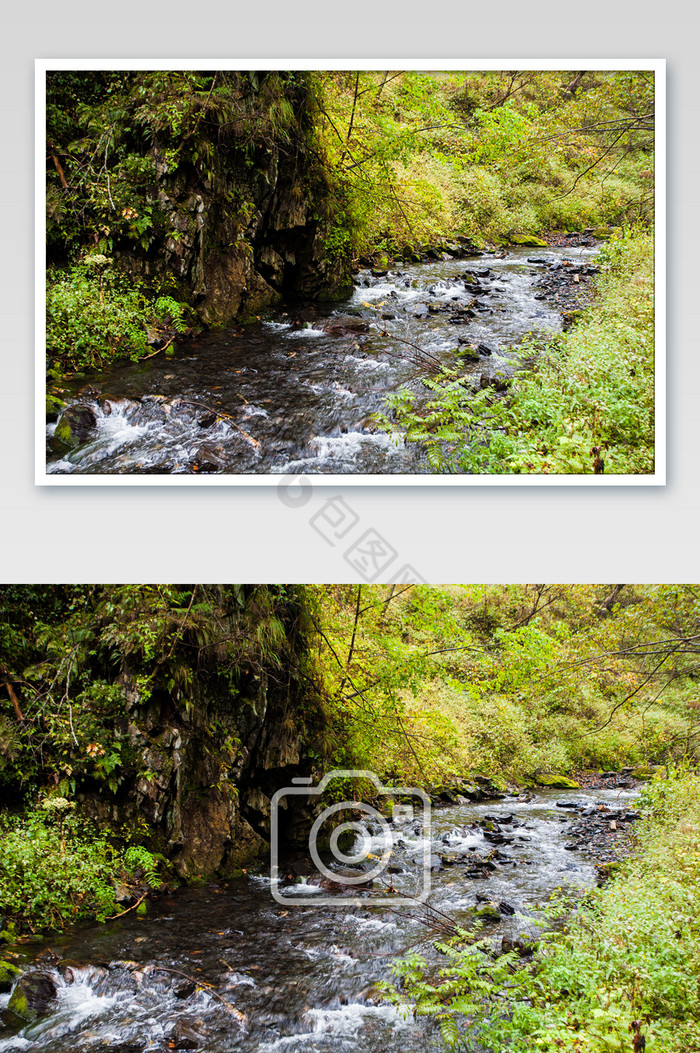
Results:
x,y
591,389
65,644
172,313
94,315
628,963
55,869
419,156
110,134
509,681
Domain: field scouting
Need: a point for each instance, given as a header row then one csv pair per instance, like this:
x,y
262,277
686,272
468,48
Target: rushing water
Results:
x,y
302,977
297,392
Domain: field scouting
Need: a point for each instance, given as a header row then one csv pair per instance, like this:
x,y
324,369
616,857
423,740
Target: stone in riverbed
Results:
x,y
523,945
8,974
75,426
34,996
528,240
209,459
558,782
489,913
185,1036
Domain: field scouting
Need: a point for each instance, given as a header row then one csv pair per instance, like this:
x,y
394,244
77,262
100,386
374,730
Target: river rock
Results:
x,y
487,914
8,974
523,945
34,996
559,782
209,459
75,426
528,240
185,990
497,383
207,419
345,325
184,1036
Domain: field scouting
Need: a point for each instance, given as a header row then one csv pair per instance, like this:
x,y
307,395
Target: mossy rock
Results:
x,y
54,406
488,913
34,996
557,782
644,772
76,425
527,239
603,233
8,974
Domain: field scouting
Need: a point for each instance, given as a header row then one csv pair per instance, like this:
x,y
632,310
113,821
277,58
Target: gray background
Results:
x,y
129,533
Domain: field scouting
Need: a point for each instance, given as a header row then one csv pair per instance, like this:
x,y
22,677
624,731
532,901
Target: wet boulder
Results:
x,y
184,1035
488,914
497,383
209,459
76,425
34,996
528,240
523,945
9,973
345,325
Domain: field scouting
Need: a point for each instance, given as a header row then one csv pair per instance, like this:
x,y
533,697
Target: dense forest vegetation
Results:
x,y
144,729
177,200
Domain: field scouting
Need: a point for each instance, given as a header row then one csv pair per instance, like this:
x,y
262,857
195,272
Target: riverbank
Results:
x,y
622,976
584,405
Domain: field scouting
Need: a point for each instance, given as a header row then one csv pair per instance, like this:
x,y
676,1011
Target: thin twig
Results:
x,y
128,909
145,357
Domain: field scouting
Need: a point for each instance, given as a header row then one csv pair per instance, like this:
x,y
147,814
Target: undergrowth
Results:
x,y
623,976
588,398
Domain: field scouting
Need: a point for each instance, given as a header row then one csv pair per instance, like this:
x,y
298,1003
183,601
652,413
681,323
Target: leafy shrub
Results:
x,y
55,869
96,314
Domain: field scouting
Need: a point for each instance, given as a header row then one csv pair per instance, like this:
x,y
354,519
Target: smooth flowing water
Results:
x,y
296,393
301,979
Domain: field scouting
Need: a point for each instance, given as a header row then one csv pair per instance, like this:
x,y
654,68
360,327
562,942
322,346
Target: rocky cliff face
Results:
x,y
201,775
243,226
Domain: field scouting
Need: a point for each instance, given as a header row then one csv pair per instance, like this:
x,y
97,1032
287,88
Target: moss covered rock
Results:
x,y
75,426
8,974
557,782
644,772
527,239
34,996
488,913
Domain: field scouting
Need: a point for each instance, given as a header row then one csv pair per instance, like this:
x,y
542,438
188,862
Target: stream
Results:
x,y
296,392
301,979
